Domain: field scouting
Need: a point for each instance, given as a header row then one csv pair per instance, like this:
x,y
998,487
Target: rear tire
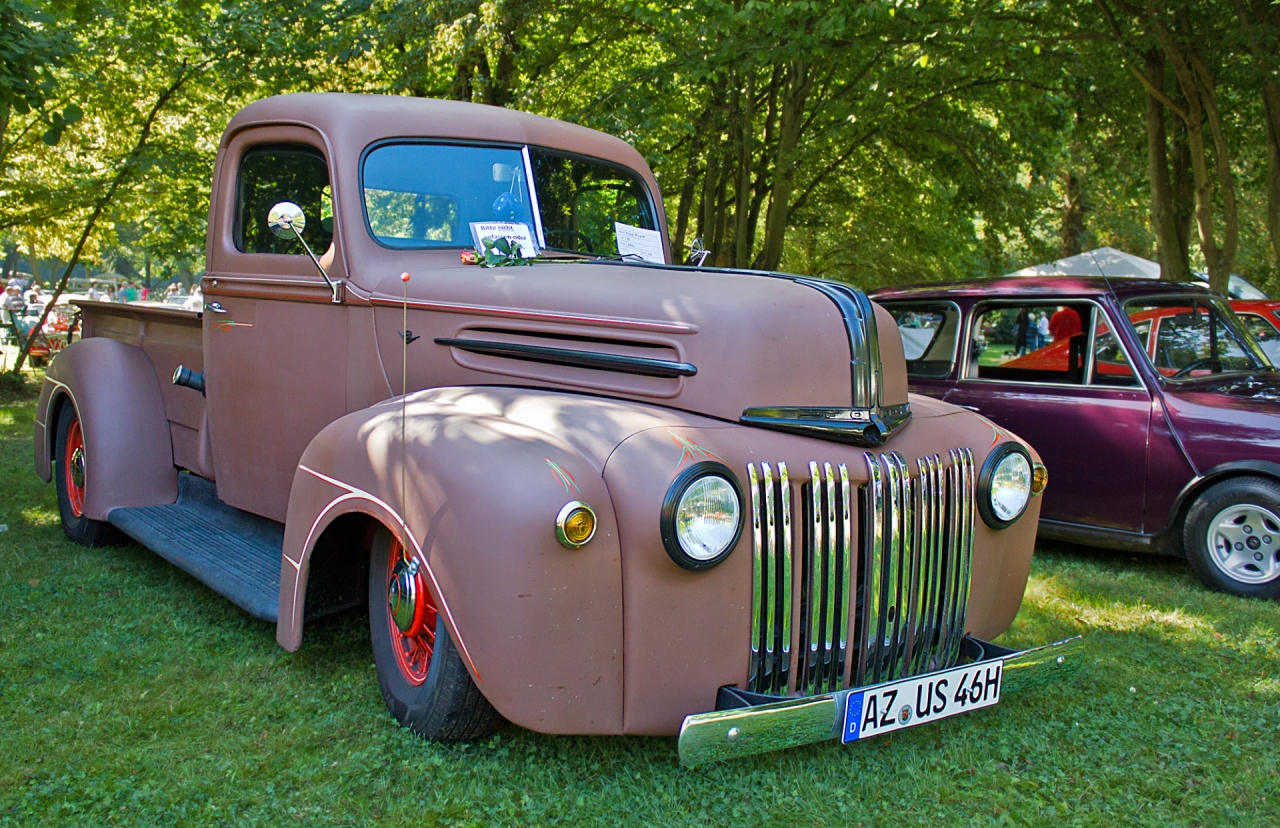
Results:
x,y
1232,537
70,462
424,682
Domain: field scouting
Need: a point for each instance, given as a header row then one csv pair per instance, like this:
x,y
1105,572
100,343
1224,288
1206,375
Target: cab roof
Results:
x,y
1038,287
349,123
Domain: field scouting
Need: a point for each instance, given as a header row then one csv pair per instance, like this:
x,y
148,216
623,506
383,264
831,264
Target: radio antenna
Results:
x,y
404,390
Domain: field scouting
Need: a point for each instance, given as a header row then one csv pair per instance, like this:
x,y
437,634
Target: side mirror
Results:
x,y
287,221
697,253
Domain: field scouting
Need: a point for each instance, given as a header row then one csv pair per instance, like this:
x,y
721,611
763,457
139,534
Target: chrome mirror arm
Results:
x,y
335,288
286,220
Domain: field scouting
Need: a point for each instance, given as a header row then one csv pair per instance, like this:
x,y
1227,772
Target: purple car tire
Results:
x,y
1232,537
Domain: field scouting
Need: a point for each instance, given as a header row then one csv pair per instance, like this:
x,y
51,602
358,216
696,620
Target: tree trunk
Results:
x,y
1170,251
1071,233
791,119
1272,92
35,261
742,190
1183,193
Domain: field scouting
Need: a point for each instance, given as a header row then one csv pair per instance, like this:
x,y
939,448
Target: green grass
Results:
x,y
132,695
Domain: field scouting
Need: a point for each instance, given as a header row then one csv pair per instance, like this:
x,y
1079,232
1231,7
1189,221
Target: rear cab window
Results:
x,y
929,333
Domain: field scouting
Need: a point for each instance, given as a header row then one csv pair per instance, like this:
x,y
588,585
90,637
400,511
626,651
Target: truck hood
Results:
x,y
727,344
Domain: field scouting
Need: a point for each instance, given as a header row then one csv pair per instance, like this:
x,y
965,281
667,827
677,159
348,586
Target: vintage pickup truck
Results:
x,y
593,494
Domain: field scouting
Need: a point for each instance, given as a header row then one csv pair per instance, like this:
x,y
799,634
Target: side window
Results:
x,y
284,172
1266,334
1035,342
929,334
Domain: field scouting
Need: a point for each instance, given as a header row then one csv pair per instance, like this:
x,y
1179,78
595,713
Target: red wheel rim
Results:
x,y
74,459
413,635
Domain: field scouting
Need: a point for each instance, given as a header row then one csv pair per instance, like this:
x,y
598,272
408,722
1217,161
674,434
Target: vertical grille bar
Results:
x,y
784,498
771,580
938,498
844,582
968,484
901,606
755,675
893,566
870,632
951,582
830,594
814,590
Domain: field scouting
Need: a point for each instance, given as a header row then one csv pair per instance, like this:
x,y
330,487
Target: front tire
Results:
x,y
70,470
424,682
1232,537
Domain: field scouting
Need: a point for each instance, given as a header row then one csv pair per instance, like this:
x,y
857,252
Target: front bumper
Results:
x,y
757,728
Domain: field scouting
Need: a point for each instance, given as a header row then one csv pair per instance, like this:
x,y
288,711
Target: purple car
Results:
x,y
1154,409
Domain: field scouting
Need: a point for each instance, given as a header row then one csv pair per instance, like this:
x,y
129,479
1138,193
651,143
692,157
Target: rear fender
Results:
x,y
113,387
538,625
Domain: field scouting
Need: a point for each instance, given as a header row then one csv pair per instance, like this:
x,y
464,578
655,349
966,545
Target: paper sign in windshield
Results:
x,y
516,232
639,242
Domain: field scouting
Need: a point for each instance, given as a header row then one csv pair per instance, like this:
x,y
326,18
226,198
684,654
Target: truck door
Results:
x,y
274,340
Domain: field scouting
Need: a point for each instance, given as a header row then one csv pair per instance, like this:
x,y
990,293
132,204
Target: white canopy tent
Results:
x,y
1107,261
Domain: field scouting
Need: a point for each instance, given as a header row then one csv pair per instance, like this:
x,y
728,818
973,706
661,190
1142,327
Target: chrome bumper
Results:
x,y
743,731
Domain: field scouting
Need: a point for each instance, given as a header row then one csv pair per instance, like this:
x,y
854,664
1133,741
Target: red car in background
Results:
x,y
1260,317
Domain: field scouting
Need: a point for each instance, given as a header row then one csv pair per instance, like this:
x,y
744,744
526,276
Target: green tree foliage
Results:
x,y
876,141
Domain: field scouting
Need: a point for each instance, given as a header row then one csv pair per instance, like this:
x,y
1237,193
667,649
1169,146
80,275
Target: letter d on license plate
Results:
x,y
928,698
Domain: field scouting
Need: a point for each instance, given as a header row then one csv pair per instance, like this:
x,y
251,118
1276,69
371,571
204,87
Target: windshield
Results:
x,y
421,195
427,195
1194,338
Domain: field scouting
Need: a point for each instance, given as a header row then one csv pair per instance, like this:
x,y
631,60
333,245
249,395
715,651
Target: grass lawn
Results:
x,y
132,695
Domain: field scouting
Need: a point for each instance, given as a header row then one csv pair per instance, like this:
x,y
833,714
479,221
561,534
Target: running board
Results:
x,y
234,553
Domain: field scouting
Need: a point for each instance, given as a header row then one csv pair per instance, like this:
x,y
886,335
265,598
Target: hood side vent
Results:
x,y
574,351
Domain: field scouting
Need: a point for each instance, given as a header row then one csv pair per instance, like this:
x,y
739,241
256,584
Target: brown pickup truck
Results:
x,y
586,491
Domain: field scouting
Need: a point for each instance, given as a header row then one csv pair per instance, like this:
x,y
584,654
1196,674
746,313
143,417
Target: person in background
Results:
x,y
14,304
1065,324
128,293
195,301
1020,330
144,292
94,294
35,296
1042,327
110,294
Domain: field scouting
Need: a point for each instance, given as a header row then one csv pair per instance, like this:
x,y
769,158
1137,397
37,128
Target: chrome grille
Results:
x,y
894,604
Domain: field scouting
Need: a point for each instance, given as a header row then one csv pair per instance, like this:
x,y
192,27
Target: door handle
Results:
x,y
216,307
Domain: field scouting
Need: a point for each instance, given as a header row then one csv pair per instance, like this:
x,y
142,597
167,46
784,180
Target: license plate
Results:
x,y
910,702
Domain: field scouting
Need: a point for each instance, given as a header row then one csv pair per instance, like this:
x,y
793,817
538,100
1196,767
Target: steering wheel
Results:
x,y
572,234
1199,363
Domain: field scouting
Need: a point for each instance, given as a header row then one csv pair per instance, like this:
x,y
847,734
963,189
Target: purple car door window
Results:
x,y
1073,395
930,332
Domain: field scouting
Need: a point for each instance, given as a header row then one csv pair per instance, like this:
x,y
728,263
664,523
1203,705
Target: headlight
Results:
x,y
702,516
1004,485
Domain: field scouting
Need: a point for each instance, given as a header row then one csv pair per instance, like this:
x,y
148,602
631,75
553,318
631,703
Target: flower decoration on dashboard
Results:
x,y
500,253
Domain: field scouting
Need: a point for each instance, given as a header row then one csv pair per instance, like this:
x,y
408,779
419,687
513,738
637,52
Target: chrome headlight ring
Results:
x,y
1008,468
686,515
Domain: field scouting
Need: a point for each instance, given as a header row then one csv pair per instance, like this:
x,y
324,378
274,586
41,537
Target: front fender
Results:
x,y
114,389
486,472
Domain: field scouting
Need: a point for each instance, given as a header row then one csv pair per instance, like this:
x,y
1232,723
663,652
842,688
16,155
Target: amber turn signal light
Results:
x,y
1039,479
576,524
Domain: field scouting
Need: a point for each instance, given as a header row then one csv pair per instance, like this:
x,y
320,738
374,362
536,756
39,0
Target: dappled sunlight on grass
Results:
x,y
40,517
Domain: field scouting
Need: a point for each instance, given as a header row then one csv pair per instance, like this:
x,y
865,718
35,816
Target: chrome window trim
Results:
x,y
987,303
960,328
533,196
